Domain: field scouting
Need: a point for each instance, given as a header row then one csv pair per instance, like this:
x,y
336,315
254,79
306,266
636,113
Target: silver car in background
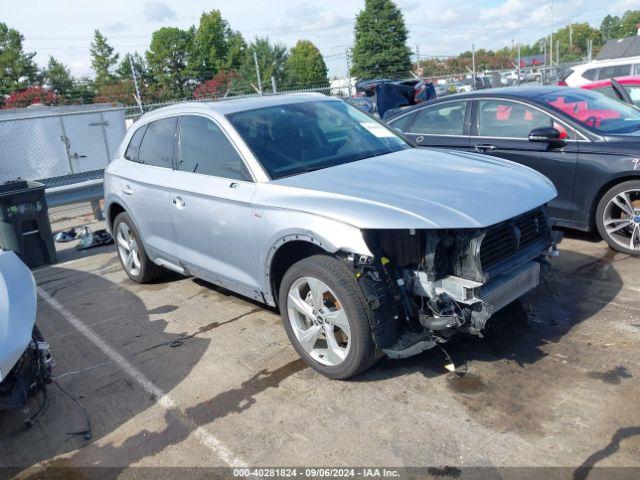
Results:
x,y
367,245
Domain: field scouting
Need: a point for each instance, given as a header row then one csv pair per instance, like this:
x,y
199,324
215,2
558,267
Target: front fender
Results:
x,y
279,227
17,310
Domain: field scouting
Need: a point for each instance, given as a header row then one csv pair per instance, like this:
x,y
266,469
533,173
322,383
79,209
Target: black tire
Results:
x,y
342,281
149,271
600,211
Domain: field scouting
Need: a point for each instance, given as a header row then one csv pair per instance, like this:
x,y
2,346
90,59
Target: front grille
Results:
x,y
508,238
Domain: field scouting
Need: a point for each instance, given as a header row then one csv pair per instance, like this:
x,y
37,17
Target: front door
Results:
x,y
501,128
212,194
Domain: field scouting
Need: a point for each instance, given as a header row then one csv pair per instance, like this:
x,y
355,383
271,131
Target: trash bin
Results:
x,y
24,223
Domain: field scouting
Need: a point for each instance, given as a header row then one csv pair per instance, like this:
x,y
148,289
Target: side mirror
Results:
x,y
548,135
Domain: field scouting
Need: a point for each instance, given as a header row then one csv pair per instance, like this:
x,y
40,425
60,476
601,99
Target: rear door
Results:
x,y
443,125
146,186
501,128
211,207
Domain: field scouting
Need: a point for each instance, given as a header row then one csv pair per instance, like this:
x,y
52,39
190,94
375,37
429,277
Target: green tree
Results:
x,y
380,48
305,67
58,77
236,51
17,68
102,59
272,59
168,58
574,41
124,70
610,27
629,22
216,47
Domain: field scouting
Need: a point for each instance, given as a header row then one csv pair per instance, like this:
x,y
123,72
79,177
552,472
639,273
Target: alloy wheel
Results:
x,y
621,219
319,321
128,249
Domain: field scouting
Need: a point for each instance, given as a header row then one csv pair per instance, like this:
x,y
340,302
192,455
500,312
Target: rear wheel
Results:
x,y
618,217
133,258
326,317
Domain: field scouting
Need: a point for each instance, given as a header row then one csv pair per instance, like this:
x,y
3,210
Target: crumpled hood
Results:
x,y
17,310
414,188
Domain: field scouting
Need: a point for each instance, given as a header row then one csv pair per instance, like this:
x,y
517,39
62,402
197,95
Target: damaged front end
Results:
x,y
426,285
25,361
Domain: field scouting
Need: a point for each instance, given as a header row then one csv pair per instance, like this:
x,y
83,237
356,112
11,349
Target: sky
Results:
x,y
64,28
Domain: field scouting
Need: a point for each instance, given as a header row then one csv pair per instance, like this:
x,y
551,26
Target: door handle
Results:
x,y
233,185
179,202
126,189
485,148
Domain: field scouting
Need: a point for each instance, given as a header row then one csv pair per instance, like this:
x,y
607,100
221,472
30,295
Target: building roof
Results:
x,y
621,48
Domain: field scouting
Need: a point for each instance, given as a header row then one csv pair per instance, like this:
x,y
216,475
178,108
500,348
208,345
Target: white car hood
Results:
x,y
17,310
414,188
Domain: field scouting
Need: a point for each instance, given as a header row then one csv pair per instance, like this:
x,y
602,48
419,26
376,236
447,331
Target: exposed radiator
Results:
x,y
505,289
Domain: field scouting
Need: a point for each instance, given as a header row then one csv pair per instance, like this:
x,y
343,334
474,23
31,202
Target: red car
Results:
x,y
624,89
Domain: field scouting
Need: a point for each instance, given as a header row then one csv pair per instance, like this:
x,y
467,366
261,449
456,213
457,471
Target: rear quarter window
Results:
x,y
134,144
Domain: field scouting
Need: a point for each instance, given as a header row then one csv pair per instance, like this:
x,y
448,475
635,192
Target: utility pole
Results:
x,y
473,66
551,38
519,63
273,84
418,56
544,72
571,35
557,52
348,57
255,60
135,84
589,48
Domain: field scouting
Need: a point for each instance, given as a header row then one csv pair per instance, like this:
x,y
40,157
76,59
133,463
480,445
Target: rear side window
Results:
x,y
590,74
402,123
159,143
614,71
205,149
134,144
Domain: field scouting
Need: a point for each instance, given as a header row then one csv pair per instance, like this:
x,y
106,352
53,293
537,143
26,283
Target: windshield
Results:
x,y
301,137
595,110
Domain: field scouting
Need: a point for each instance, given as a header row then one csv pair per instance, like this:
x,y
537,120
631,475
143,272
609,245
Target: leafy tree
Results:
x,y
218,86
613,26
58,77
305,67
102,59
629,22
574,41
124,70
216,47
83,91
236,51
168,57
31,96
272,59
380,48
209,45
17,68
610,27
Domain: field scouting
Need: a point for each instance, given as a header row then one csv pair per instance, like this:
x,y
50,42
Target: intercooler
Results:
x,y
509,287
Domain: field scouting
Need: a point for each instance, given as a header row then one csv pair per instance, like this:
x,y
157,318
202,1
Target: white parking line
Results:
x,y
164,400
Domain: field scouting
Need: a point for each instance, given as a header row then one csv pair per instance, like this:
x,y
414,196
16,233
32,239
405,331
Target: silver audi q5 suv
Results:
x,y
367,246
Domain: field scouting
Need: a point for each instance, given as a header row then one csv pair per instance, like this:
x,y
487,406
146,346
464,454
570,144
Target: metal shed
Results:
x,y
61,145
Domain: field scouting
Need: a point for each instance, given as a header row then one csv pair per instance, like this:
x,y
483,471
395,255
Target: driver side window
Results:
x,y
506,119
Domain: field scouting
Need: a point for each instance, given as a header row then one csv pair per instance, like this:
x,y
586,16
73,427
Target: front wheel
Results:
x,y
326,317
618,217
